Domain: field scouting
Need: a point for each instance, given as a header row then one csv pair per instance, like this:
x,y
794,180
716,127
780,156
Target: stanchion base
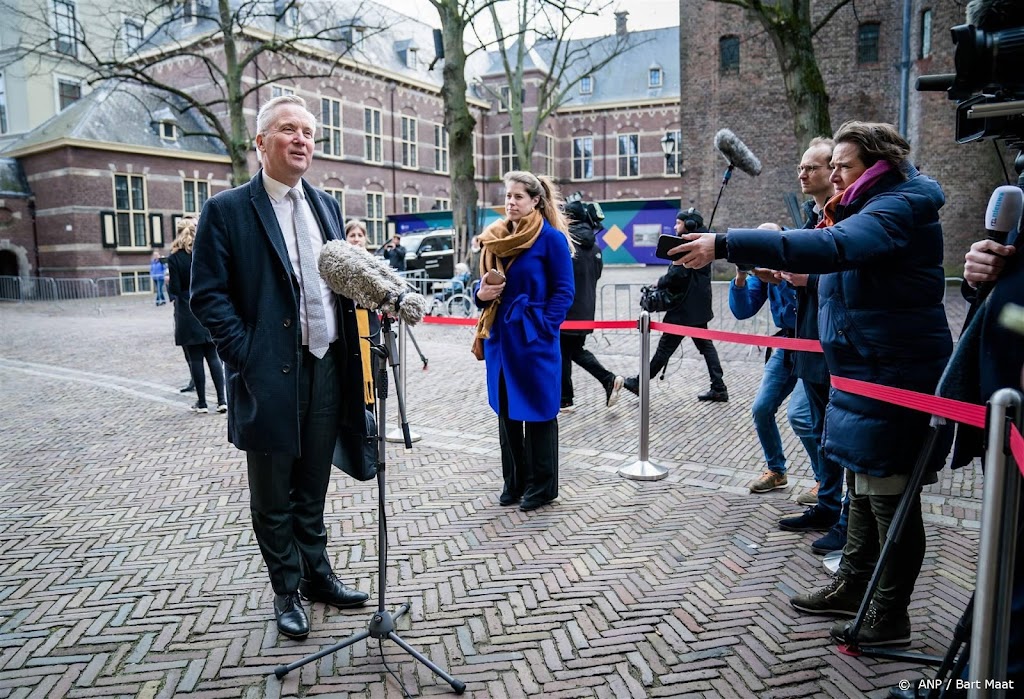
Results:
x,y
643,471
395,435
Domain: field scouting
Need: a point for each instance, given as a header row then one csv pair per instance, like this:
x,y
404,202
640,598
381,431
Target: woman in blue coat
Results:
x,y
519,330
881,319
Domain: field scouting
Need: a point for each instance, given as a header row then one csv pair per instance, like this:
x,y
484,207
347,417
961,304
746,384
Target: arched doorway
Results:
x,y
8,264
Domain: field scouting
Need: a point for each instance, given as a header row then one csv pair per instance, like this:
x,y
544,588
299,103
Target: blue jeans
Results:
x,y
158,283
830,474
800,419
776,383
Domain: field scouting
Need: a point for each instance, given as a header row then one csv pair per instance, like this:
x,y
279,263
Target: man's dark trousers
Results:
x,y
573,350
287,494
668,344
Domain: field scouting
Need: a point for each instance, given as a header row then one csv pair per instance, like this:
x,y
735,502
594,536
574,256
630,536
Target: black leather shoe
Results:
x,y
187,389
291,617
714,396
332,591
527,505
506,498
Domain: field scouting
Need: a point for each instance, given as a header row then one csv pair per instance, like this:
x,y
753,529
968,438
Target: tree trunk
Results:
x,y
805,89
461,128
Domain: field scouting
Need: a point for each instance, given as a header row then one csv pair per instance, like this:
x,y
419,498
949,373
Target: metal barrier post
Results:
x,y
996,551
395,434
643,469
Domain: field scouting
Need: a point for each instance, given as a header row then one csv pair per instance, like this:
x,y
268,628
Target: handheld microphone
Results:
x,y
1003,212
737,153
369,281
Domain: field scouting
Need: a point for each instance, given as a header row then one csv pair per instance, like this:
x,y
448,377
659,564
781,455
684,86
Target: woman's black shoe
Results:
x,y
527,505
508,498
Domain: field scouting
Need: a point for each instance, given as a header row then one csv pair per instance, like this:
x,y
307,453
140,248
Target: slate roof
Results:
x,y
127,114
624,79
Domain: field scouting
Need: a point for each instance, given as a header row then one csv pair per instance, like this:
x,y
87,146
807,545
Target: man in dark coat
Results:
x,y
587,266
291,350
394,253
692,287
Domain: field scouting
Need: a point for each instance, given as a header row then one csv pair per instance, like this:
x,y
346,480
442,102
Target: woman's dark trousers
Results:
x,y
529,454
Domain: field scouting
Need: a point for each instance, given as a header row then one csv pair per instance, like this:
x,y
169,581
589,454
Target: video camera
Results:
x,y
988,84
588,212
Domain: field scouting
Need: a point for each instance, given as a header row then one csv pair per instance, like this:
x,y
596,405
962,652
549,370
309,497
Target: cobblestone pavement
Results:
x,y
128,567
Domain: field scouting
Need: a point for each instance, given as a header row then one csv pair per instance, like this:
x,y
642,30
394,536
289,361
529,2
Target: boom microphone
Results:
x,y
737,153
1003,213
369,281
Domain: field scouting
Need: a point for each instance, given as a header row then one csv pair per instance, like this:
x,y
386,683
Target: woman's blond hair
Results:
x,y
185,234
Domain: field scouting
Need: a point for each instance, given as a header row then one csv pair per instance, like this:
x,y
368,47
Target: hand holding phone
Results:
x,y
494,277
666,242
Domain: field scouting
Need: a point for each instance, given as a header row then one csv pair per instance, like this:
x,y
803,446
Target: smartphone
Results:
x,y
494,277
665,243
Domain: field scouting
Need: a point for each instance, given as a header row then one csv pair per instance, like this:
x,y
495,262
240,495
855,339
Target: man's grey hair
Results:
x,y
821,141
266,115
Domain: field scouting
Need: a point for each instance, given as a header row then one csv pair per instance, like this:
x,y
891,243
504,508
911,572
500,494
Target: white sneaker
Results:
x,y
221,408
612,391
196,408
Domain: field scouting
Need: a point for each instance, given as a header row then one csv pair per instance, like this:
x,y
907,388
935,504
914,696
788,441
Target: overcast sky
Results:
x,y
643,14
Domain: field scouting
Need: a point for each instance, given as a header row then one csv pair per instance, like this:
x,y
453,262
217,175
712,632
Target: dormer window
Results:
x,y
587,85
655,76
168,131
411,57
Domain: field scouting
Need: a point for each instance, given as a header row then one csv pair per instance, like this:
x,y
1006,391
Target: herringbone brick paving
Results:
x,y
128,567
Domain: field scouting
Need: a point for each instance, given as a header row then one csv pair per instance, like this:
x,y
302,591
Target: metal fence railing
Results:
x,y
22,289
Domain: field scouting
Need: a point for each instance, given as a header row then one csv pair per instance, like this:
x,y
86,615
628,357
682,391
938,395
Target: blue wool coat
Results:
x,y
523,345
880,318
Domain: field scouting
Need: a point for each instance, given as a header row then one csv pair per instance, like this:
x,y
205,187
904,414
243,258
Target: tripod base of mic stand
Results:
x,y
889,654
643,471
396,435
382,625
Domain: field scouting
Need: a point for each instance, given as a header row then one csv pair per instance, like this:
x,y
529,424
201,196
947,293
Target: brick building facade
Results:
x,y
382,145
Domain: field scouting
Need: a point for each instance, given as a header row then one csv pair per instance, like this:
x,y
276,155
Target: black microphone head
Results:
x,y
737,153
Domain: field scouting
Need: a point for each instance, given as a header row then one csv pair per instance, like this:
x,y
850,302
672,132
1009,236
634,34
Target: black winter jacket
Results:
x,y
587,266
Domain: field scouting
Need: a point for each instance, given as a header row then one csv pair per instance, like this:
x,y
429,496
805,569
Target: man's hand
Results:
x,y
795,279
698,252
985,261
741,278
768,276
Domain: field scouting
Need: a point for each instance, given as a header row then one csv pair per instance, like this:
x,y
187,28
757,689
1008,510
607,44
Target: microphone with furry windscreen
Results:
x,y
738,156
369,281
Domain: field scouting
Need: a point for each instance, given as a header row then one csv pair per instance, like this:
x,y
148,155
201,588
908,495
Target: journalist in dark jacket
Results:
x,y
881,320
587,266
692,288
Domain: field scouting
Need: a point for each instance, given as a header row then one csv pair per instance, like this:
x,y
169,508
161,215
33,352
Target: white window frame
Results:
x,y
504,97
655,72
200,191
408,134
373,141
339,196
281,90
674,159
509,158
4,125
375,219
440,148
61,32
134,23
630,159
189,12
168,130
546,154
587,85
58,80
582,157
410,203
333,140
442,204
927,19
136,217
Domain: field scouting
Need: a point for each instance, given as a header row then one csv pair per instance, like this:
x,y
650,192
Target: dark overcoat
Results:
x,y
187,328
245,292
881,317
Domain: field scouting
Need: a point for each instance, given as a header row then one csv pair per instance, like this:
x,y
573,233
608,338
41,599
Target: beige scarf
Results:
x,y
503,240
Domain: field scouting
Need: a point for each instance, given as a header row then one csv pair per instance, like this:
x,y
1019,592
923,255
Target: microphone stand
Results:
x,y
382,623
725,180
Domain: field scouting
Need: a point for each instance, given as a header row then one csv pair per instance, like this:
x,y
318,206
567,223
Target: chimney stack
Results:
x,y
620,23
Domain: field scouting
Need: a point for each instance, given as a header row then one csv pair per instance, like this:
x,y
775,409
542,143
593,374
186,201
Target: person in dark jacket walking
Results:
x,y
693,289
587,266
188,332
881,319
